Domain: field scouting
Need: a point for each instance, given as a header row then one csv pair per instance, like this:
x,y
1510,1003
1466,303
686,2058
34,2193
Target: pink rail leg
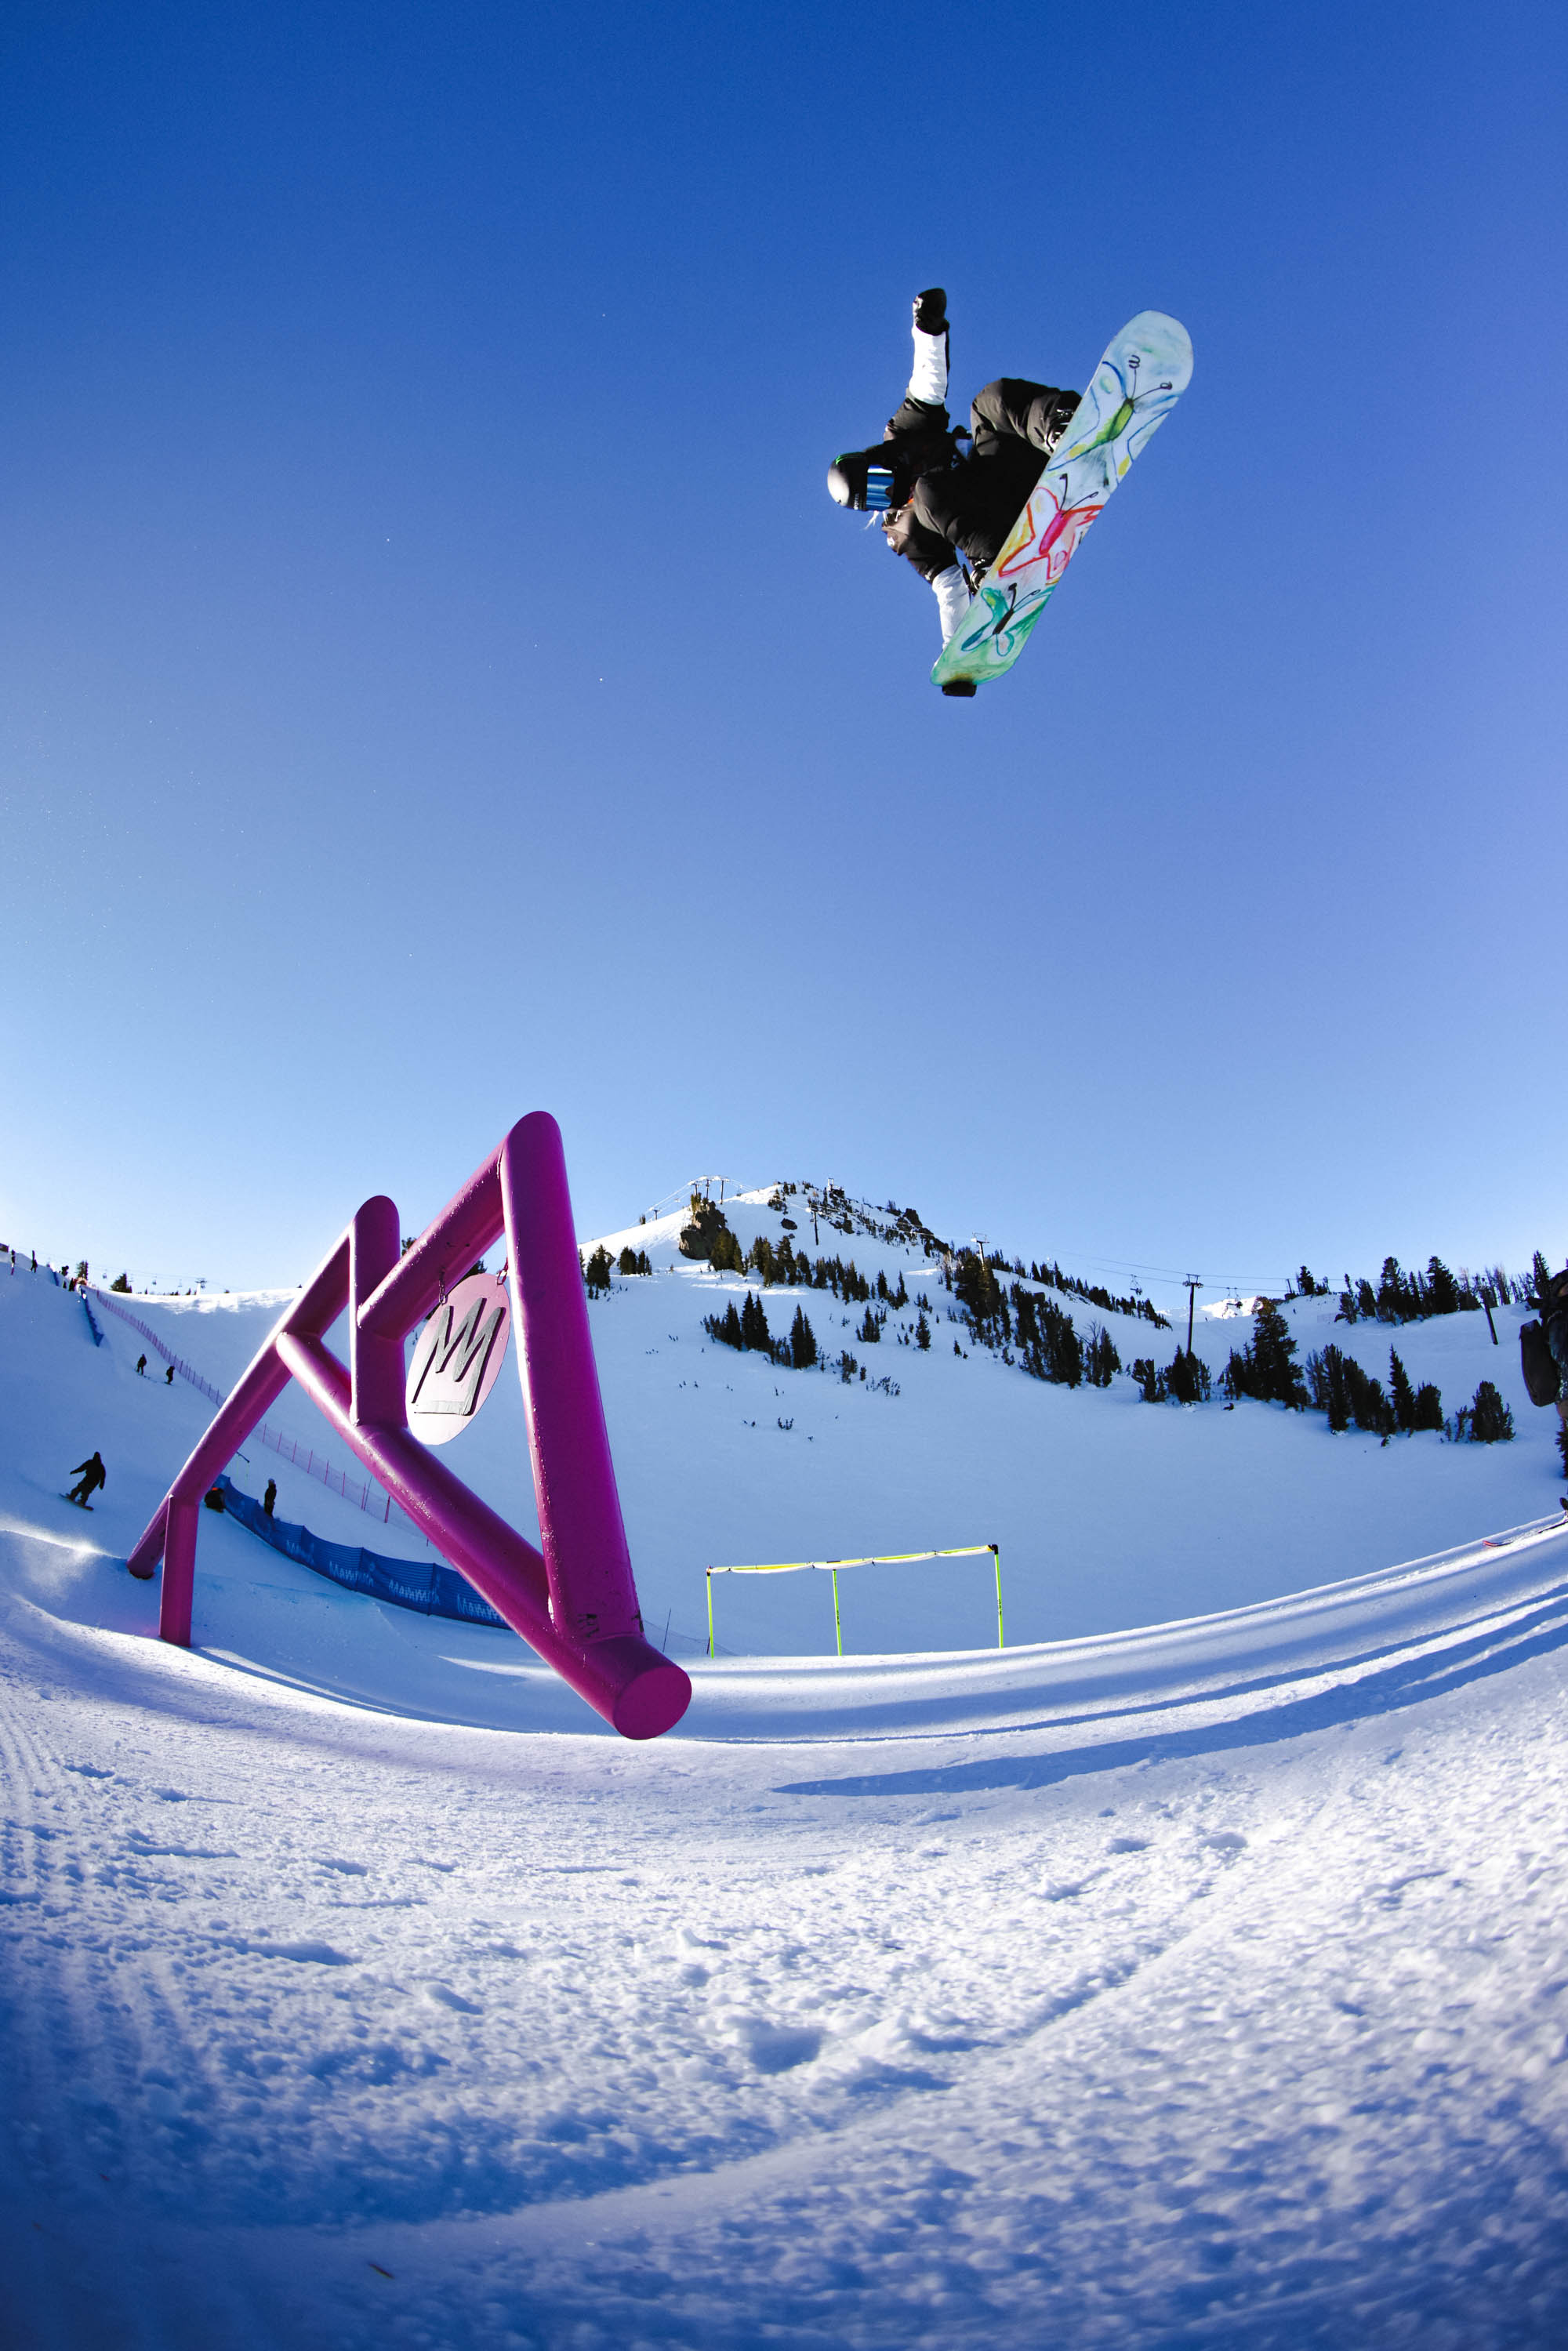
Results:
x,y
178,1573
593,1596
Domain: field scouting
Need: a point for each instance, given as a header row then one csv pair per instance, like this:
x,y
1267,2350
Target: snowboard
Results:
x,y
76,1505
1135,386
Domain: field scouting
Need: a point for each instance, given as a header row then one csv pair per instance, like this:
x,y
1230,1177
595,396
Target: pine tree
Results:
x,y
1428,1412
1443,1291
869,1330
724,1327
724,1254
1391,1300
803,1342
976,1288
1326,1386
1187,1378
1402,1392
1370,1408
1062,1348
754,1330
1491,1423
596,1272
121,1282
923,1332
1274,1353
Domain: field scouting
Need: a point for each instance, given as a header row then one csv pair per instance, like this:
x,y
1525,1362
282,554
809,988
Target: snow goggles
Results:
x,y
878,489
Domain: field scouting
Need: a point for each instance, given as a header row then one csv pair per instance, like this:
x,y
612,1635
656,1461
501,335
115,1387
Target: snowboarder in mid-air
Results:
x,y
995,531
91,1475
946,512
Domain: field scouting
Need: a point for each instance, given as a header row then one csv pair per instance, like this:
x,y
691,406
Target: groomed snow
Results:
x,y
1193,1985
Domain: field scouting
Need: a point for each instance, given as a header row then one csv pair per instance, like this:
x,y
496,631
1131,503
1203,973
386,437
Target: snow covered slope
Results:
x,y
1198,1986
1110,1512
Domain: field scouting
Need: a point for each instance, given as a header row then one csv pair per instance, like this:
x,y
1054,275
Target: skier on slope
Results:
x,y
93,1474
945,513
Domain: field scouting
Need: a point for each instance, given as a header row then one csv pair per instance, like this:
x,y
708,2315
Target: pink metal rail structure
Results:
x,y
577,1603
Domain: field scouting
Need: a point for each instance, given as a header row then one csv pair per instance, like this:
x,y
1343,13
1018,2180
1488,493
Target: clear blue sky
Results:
x,y
438,686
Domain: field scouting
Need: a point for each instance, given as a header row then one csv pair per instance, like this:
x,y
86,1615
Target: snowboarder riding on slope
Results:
x,y
945,513
92,1474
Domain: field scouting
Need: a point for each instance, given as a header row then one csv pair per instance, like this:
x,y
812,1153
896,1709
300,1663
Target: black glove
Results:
x,y
931,311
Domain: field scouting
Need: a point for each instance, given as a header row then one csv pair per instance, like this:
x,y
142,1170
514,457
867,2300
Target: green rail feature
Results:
x,y
872,1558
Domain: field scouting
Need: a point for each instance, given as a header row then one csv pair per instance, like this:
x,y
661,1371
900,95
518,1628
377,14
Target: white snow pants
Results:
x,y
928,381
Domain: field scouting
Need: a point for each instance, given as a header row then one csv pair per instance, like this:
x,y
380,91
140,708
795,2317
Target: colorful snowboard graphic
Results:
x,y
1135,386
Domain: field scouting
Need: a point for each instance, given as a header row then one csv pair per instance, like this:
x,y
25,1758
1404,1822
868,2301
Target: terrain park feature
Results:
x,y
872,1558
1135,386
576,1602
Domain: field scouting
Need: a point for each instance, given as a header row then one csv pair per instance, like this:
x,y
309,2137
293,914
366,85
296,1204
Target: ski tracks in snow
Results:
x,y
1310,2093
387,2031
100,2066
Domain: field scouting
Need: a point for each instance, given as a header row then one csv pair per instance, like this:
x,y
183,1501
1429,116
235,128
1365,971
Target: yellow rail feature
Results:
x,y
872,1558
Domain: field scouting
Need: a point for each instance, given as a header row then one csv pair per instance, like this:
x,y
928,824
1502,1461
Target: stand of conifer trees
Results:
x,y
749,1330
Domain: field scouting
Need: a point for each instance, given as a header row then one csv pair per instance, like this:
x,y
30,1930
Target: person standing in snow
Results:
x,y
92,1474
169,1377
1554,1331
270,1496
945,513
141,1367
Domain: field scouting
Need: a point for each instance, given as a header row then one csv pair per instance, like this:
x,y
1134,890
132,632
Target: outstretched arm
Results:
x,y
928,377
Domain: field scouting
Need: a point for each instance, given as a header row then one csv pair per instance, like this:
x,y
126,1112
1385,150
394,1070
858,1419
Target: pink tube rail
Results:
x,y
576,1602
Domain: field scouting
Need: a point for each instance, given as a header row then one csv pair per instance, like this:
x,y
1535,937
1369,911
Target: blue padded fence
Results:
x,y
405,1582
91,1321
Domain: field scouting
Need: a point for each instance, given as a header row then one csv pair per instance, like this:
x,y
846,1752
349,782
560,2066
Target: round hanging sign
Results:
x,y
457,1357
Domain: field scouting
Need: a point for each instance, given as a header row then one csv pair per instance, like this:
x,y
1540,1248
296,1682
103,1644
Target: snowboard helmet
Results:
x,y
867,480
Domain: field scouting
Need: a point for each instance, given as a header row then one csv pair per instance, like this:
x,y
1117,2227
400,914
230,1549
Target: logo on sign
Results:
x,y
456,1358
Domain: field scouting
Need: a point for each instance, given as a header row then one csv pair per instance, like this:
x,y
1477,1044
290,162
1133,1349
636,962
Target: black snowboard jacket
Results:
x,y
967,505
1554,1324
